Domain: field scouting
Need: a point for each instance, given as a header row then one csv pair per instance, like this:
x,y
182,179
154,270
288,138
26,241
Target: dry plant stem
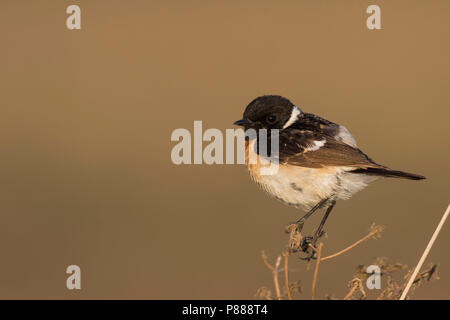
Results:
x,y
264,259
352,290
356,284
275,277
286,273
351,246
316,270
425,253
275,270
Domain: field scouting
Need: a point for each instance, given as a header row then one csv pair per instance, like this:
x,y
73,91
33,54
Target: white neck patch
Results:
x,y
295,112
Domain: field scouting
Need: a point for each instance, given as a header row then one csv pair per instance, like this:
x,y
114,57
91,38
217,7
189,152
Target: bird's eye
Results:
x,y
271,118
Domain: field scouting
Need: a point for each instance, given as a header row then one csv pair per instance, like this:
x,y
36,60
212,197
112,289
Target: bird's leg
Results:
x,y
306,241
319,231
300,222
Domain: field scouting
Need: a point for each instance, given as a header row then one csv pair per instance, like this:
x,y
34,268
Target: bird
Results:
x,y
319,161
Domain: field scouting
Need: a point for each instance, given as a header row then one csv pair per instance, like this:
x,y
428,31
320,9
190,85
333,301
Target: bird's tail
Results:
x,y
385,172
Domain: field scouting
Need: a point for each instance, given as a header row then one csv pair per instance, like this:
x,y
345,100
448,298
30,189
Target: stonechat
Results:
x,y
319,162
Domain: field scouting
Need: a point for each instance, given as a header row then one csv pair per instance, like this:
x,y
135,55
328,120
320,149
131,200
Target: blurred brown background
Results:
x,y
85,139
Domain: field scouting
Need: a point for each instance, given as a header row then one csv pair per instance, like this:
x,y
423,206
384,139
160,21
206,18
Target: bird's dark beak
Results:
x,y
243,122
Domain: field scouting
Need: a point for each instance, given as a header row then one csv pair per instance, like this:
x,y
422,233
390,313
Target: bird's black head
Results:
x,y
269,112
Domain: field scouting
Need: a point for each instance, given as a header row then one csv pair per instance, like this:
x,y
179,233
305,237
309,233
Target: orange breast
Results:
x,y
255,165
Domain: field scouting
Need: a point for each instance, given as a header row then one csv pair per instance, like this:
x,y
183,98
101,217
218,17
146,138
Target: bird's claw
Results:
x,y
307,245
300,223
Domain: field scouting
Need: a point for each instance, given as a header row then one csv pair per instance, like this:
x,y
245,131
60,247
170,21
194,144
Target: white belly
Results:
x,y
299,187
305,187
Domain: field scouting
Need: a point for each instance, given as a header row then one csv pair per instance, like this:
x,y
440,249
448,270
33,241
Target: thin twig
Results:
x,y
371,234
425,253
353,288
264,259
286,273
275,270
316,270
275,277
356,284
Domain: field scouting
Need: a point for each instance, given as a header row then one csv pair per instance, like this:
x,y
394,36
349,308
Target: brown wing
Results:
x,y
315,150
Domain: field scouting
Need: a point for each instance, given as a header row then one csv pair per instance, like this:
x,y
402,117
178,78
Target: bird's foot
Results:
x,y
308,246
300,223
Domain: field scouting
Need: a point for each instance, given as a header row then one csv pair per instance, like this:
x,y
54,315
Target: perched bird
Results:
x,y
319,162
